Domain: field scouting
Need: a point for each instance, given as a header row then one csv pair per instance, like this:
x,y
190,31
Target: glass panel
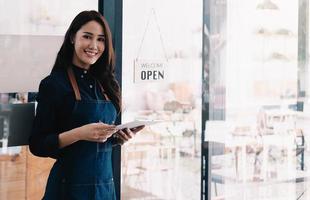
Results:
x,y
30,36
162,81
258,99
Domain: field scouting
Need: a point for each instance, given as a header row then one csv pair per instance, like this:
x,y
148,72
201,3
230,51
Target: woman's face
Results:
x,y
88,44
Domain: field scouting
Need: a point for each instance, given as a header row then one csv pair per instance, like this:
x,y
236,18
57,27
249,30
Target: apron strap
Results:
x,y
103,92
74,84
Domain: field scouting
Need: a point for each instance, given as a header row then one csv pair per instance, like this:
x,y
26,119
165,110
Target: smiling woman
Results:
x,y
77,107
88,44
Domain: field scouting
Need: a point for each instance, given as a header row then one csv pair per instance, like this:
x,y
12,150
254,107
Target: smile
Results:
x,y
90,53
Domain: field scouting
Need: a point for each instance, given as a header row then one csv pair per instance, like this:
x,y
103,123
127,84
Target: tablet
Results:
x,y
136,123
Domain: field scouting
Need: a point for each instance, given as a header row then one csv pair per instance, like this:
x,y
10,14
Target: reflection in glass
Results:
x,y
163,161
258,147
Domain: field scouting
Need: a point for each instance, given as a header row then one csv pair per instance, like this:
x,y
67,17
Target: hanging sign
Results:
x,y
150,70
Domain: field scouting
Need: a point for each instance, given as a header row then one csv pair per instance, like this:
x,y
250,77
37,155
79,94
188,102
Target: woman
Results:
x,y
77,107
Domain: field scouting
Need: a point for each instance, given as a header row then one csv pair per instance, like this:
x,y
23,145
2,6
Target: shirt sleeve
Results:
x,y
44,141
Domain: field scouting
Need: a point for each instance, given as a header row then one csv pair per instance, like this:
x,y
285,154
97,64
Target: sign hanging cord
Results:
x,y
160,35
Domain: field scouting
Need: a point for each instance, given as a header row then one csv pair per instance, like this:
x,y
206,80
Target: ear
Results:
x,y
72,39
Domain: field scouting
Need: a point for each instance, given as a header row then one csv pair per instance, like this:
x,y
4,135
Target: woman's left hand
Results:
x,y
125,135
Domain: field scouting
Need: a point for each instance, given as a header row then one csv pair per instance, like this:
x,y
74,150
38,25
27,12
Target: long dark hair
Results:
x,y
103,68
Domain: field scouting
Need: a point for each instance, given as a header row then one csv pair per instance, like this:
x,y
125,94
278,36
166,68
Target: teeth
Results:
x,y
90,53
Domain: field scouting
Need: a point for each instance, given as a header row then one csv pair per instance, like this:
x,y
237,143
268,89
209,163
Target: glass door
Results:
x,y
161,80
256,99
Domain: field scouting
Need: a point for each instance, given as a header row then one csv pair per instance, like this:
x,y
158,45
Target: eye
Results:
x,y
101,39
86,37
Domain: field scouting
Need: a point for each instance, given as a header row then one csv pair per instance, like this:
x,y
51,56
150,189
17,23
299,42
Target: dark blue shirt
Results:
x,y
56,99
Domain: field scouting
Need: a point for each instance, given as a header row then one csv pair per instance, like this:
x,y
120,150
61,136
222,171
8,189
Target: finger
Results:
x,y
106,134
101,125
102,139
137,129
107,130
122,135
128,133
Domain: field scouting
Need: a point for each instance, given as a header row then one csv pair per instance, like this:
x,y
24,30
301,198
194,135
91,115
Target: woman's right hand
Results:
x,y
96,132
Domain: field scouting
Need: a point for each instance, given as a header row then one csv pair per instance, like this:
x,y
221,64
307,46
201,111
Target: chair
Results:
x,y
300,148
133,156
217,149
300,139
142,163
283,145
214,149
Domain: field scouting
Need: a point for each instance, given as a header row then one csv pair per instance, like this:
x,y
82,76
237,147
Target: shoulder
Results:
x,y
57,79
54,85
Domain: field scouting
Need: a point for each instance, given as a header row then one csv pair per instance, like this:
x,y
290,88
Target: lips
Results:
x,y
90,53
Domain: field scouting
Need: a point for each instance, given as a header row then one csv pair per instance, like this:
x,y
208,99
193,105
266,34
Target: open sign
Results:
x,y
149,70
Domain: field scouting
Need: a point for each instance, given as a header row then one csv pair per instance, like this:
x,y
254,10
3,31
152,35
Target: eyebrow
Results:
x,y
100,35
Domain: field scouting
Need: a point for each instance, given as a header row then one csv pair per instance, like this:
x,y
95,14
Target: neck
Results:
x,y
85,67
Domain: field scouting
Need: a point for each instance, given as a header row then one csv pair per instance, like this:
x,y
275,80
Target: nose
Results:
x,y
93,44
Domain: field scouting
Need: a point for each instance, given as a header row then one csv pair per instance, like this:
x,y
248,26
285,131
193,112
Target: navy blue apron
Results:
x,y
84,171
